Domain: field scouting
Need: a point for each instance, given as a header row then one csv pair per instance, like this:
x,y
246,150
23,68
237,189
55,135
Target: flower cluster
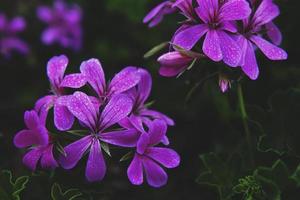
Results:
x,y
232,30
64,24
9,40
117,115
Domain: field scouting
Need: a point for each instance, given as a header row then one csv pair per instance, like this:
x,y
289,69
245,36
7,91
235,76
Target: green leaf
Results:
x,y
10,189
78,132
156,49
60,149
127,156
58,194
105,147
187,53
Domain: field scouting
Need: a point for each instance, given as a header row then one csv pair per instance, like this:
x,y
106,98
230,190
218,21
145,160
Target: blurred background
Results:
x,y
114,33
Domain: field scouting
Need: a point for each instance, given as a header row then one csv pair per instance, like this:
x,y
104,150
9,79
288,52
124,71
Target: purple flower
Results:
x,y
251,38
217,23
64,23
37,138
121,82
224,83
56,67
149,159
81,106
156,15
173,63
9,40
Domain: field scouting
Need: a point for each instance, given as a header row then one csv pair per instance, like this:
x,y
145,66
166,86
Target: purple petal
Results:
x,y
157,131
24,138
31,119
165,156
156,14
124,80
123,138
63,118
265,13
157,115
44,13
73,81
173,63
229,26
93,72
31,158
43,105
17,24
137,122
142,143
188,37
135,170
83,109
250,65
74,152
47,160
230,49
211,46
274,33
156,176
271,51
10,44
235,10
56,68
117,108
145,85
50,35
95,168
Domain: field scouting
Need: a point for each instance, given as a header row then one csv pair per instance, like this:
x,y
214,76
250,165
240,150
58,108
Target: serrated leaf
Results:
x,y
9,188
105,147
58,194
156,49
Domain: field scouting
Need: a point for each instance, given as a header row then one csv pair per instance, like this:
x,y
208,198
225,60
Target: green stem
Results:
x,y
245,121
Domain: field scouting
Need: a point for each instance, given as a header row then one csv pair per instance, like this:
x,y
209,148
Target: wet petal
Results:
x,y
135,170
43,105
117,108
250,67
156,176
142,143
144,85
73,81
157,131
165,156
271,51
266,12
274,33
93,72
235,10
230,49
124,80
95,168
31,158
188,37
56,68
74,152
63,118
211,46
123,138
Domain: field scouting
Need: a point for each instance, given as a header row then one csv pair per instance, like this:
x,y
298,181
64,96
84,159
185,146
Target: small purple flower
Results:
x,y
64,23
9,40
98,123
217,22
251,38
56,67
121,82
156,15
173,63
149,159
35,136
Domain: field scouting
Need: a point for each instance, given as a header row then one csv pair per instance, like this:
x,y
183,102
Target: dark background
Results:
x,y
114,33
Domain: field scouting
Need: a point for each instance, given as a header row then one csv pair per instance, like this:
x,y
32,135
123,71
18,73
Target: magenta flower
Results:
x,y
121,82
149,159
9,40
36,137
217,23
173,63
156,15
251,38
64,23
81,106
56,67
